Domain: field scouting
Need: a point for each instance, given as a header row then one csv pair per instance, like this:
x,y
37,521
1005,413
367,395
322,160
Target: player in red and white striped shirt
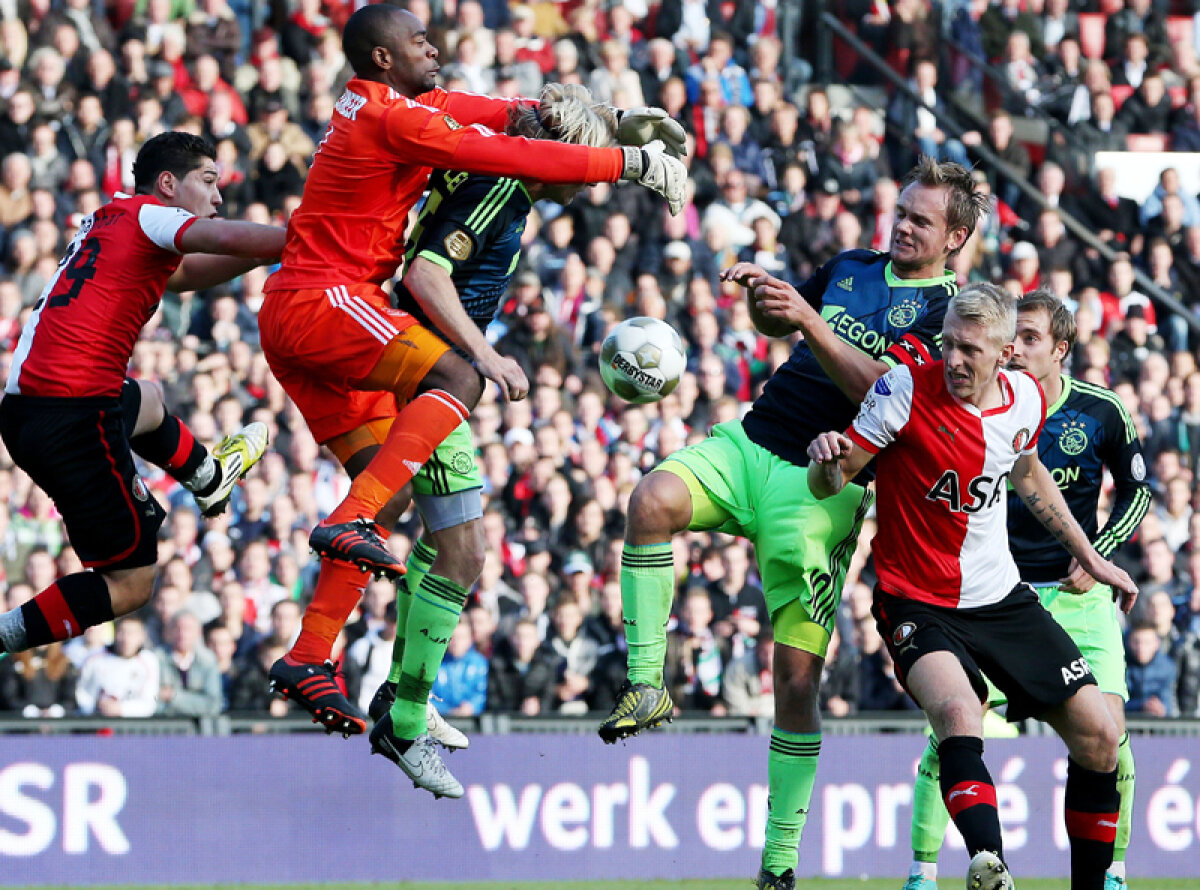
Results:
x,y
72,420
949,438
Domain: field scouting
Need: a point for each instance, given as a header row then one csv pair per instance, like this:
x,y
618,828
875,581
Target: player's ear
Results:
x,y
167,183
382,58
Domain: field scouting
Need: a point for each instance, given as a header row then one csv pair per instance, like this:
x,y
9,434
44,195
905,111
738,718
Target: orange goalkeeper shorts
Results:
x,y
344,355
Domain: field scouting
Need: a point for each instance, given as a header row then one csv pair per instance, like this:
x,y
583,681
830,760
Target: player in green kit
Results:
x,y
1087,429
459,259
861,313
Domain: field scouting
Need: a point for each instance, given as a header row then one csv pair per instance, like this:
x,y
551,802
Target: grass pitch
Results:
x,y
951,882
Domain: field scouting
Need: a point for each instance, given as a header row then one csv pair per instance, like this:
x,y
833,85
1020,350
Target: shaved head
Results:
x,y
377,25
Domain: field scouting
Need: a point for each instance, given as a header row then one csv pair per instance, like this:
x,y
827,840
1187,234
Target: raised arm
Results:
x,y
834,460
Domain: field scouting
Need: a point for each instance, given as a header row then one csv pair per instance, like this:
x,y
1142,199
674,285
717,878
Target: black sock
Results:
x,y
173,447
66,609
1092,804
969,793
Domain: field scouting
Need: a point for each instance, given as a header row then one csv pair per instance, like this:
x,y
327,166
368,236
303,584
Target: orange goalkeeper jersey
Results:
x,y
374,163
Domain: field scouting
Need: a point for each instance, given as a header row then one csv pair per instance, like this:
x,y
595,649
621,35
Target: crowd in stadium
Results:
x,y
779,174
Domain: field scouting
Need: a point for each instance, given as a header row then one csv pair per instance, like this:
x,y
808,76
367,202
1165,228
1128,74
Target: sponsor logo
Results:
x,y
139,489
1105,823
874,343
636,374
847,284
982,492
945,431
461,463
903,633
1073,440
413,466
1021,440
458,245
1076,670
882,387
969,791
451,122
903,314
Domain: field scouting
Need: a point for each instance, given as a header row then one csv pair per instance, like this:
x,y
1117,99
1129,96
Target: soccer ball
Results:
x,y
642,360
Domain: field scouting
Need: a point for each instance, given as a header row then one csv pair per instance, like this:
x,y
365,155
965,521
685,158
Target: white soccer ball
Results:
x,y
642,360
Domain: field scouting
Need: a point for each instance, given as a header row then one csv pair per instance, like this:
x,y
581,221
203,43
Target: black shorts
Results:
x,y
77,451
1016,642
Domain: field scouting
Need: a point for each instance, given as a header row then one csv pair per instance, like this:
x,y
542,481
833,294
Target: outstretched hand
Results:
x,y
641,126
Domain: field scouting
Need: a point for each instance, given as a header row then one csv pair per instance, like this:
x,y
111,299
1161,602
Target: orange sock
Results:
x,y
415,433
339,588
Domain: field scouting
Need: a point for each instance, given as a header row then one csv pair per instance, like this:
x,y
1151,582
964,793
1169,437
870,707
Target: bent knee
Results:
x,y
660,505
130,590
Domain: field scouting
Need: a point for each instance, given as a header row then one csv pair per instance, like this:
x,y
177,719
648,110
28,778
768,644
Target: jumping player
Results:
x,y
861,313
1087,429
70,416
949,438
460,257
376,387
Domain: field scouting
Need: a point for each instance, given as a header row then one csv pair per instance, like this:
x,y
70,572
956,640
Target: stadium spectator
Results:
x,y
1151,674
189,676
460,689
122,681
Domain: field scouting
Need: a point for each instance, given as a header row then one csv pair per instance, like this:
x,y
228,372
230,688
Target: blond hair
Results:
x,y
565,113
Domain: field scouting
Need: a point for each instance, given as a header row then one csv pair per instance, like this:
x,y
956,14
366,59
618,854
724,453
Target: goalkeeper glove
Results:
x,y
653,168
639,126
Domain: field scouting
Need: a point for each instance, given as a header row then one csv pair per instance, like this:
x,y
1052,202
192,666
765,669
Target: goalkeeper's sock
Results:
x,y
791,771
340,586
417,430
647,591
420,562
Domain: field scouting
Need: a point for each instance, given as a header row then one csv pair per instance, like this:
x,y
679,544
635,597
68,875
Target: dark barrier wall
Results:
x,y
88,810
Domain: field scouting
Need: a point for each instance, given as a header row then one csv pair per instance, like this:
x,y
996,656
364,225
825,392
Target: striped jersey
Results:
x,y
471,226
1087,429
943,480
80,337
374,163
894,320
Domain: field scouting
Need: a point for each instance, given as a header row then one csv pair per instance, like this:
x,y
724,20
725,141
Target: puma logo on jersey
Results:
x,y
943,429
847,284
969,791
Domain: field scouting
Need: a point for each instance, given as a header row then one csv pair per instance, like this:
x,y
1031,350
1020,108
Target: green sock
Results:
x,y
420,561
432,617
1125,779
929,815
791,771
647,591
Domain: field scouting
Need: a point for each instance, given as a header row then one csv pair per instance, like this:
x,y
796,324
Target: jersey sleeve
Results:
x,y
164,225
466,223
424,134
921,343
884,412
473,108
1122,454
813,290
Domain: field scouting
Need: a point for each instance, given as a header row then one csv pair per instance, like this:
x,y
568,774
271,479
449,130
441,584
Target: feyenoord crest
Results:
x,y
903,633
139,489
1020,440
1073,440
458,245
903,314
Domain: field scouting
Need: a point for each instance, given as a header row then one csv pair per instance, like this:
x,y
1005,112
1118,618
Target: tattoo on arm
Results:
x,y
1051,518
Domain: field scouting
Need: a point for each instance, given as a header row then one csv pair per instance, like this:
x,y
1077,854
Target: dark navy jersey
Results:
x,y
893,320
471,226
1087,429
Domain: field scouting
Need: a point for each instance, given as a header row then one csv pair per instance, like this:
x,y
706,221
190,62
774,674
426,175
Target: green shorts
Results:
x,y
452,468
802,545
1091,621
